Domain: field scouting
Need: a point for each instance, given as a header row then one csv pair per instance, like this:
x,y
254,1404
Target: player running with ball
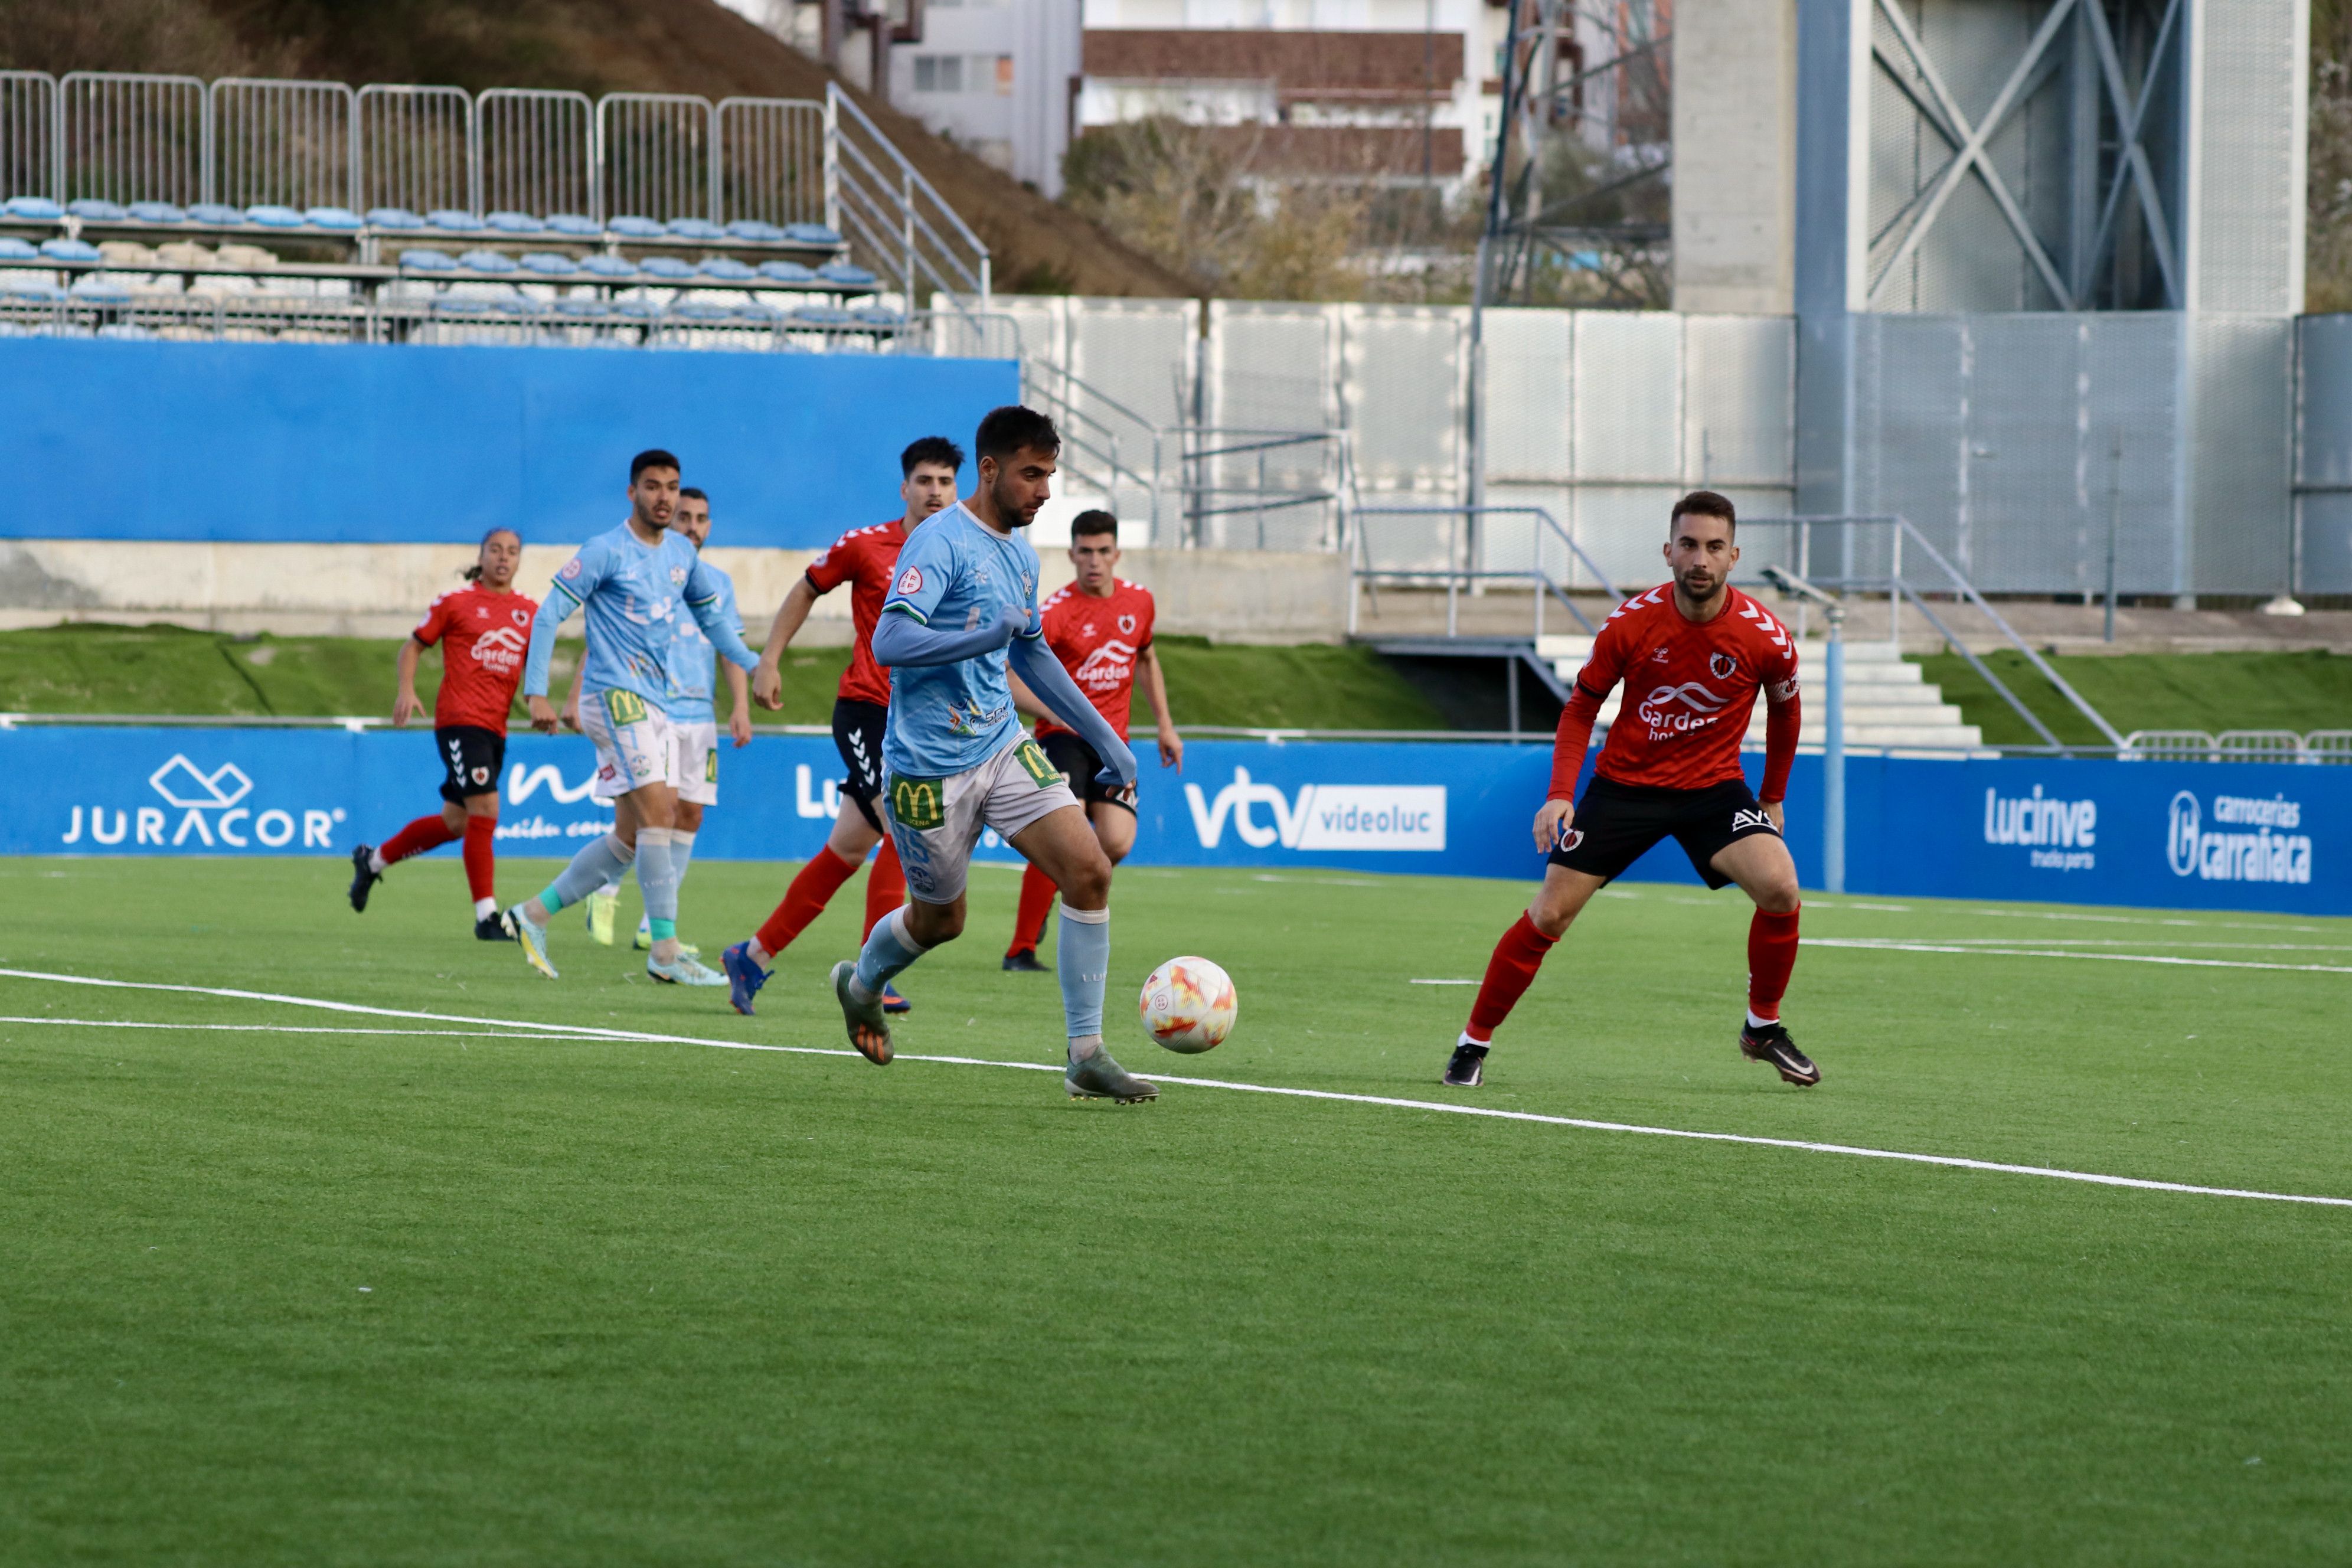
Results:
x,y
1698,651
962,612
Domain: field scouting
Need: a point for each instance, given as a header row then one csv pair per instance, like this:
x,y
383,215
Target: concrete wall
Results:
x,y
1734,195
381,590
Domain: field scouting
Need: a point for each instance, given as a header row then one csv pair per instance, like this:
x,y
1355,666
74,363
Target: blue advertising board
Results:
x,y
2170,835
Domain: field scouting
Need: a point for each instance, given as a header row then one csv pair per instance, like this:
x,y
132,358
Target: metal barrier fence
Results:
x,y
880,203
30,155
535,152
769,162
655,155
2238,746
283,143
124,139
415,150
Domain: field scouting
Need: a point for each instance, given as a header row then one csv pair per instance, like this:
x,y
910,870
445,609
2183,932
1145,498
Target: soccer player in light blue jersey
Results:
x,y
964,609
634,582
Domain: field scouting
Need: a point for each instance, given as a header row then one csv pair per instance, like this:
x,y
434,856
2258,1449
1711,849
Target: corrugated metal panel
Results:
x,y
1529,391
2131,379
1628,408
2241,445
1402,387
1739,406
2246,148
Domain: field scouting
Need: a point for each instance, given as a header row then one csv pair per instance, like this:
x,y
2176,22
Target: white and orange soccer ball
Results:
x,y
1188,1005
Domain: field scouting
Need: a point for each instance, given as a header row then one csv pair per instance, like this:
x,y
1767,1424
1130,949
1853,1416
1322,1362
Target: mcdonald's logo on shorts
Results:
x,y
918,804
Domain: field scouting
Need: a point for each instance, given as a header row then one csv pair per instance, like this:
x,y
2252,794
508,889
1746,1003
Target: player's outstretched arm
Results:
x,y
706,599
739,714
768,680
901,639
406,704
559,605
1036,663
1025,700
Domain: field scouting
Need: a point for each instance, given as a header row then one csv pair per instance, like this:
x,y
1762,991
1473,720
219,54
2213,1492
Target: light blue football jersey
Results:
x,y
955,573
634,594
694,663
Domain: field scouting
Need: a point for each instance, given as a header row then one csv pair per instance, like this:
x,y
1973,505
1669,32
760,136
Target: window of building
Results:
x,y
939,73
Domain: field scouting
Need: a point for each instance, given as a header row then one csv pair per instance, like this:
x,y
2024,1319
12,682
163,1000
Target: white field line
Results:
x,y
526,1030
1889,944
299,1030
2120,942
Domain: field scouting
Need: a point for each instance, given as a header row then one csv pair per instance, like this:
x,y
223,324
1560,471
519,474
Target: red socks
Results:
x,y
886,890
1509,974
1037,892
1771,954
806,898
481,857
424,833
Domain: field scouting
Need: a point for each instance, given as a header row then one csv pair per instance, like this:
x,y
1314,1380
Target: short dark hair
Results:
x,y
1014,428
689,492
652,458
930,449
1093,523
1705,503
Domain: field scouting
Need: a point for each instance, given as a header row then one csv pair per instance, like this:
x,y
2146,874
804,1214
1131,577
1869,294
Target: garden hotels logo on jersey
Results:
x,y
202,810
1321,816
2255,841
2060,832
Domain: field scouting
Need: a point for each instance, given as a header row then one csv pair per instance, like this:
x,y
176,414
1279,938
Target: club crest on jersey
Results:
x,y
570,569
1722,666
1662,655
911,580
520,618
676,576
1126,625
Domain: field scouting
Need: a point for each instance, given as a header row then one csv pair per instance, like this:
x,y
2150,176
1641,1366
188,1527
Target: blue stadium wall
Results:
x,y
2269,836
336,443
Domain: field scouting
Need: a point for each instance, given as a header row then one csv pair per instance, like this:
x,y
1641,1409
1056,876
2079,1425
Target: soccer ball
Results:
x,y
1188,1005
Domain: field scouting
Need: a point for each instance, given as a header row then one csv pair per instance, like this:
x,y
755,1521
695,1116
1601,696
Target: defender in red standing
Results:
x,y
1099,626
866,559
484,630
1696,652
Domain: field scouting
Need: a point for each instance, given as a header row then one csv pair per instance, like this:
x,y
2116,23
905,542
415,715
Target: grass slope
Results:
x,y
654,1302
2209,692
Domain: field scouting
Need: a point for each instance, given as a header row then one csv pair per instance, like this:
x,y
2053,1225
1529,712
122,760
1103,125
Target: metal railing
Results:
x,y
769,162
30,155
1460,544
283,143
2236,746
891,215
656,156
415,149
126,138
535,152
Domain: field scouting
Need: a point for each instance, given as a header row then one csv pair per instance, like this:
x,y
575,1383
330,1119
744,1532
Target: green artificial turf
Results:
x,y
2209,691
420,1297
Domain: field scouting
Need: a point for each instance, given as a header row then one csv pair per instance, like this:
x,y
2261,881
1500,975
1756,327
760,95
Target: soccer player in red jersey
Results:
x,y
864,558
484,630
1100,628
1698,650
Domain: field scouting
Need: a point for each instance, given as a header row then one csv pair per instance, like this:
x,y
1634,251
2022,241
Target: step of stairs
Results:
x,y
1888,702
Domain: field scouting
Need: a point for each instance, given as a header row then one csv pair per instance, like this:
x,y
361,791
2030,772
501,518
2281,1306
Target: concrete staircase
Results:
x,y
1888,702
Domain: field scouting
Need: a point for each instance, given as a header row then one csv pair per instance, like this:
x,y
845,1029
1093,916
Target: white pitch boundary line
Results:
x,y
1888,945
523,1030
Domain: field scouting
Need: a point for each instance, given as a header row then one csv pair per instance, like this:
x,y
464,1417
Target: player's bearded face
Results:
x,y
1023,483
1701,558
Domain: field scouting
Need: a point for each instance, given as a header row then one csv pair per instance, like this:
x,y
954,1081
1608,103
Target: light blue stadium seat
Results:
x,y
97,211
97,289
32,209
393,218
667,268
727,269
634,227
762,311
341,220
823,316
217,213
810,233
574,225
158,212
758,233
487,261
514,222
461,305
125,332
701,310
878,316
848,276
270,215
453,220
590,309
608,265
550,264
427,261
15,250
696,228
72,252
638,310
514,302
22,287
786,272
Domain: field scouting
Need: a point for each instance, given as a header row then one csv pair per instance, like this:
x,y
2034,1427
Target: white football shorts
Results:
x,y
634,741
937,823
694,760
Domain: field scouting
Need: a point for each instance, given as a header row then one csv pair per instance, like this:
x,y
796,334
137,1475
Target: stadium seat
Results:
x,y
727,269
72,252
393,218
696,228
634,227
427,261
701,310
270,215
639,309
487,261
341,220
755,231
582,306
158,212
574,225
823,316
216,215
848,276
185,254
609,266
128,255
124,332
97,211
97,289
667,268
461,305
246,257
30,284
32,209
880,316
810,233
513,222
550,264
15,250
453,220
786,272
762,311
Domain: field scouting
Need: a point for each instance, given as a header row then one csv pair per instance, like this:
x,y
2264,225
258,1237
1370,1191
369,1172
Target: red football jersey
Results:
x,y
864,558
1690,687
1098,641
484,637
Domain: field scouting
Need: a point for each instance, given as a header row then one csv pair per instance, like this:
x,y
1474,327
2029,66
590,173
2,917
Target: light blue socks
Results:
x,y
1082,963
887,952
605,860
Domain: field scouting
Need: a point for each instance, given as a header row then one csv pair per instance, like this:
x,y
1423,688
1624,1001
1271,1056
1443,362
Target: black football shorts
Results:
x,y
471,760
857,735
1082,763
1616,824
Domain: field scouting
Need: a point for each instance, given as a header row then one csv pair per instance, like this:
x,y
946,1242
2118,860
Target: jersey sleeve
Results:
x,y
1033,623
835,564
926,563
578,578
1606,665
435,622
1781,673
1147,619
